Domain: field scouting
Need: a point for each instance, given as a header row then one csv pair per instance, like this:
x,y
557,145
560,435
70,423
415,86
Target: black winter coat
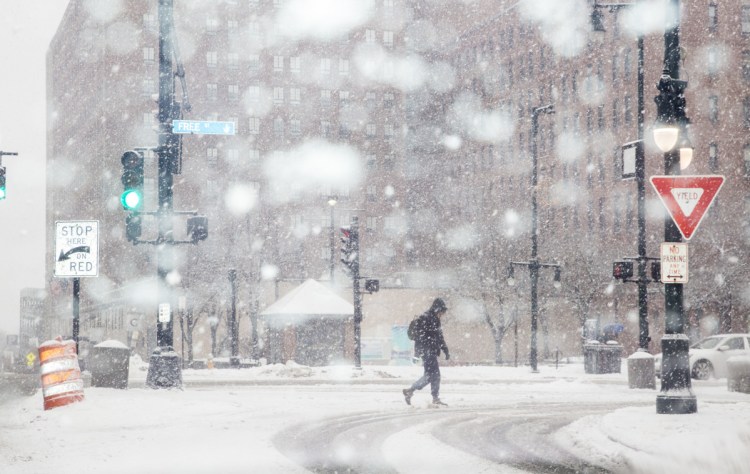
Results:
x,y
429,341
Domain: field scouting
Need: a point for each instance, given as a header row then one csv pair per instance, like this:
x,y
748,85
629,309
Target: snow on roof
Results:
x,y
310,299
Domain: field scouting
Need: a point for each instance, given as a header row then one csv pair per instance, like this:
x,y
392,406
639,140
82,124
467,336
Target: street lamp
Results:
x,y
332,200
676,395
534,264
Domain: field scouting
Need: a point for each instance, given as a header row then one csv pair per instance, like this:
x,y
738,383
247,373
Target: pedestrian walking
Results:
x,y
427,334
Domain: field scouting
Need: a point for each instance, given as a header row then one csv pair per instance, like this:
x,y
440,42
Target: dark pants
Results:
x,y
431,375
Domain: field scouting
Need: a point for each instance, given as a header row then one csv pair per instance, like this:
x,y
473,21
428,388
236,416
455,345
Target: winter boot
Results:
x,y
437,401
408,392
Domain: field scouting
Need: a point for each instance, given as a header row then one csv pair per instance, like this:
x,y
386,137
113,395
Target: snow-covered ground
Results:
x,y
227,420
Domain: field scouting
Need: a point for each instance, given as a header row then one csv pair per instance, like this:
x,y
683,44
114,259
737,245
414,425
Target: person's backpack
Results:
x,y
415,329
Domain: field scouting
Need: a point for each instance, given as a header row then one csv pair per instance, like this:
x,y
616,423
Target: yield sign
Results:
x,y
687,198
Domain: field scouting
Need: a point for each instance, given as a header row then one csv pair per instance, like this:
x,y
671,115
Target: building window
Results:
x,y
628,110
212,92
278,95
295,128
615,114
233,92
369,36
325,97
148,87
212,154
325,128
370,129
233,60
388,39
713,19
343,98
388,99
746,111
149,21
370,160
294,64
370,98
233,155
254,28
294,95
746,20
212,25
713,108
232,26
253,93
148,118
253,3
602,216
254,63
254,125
344,67
371,191
325,66
278,127
212,59
148,55
747,160
278,64
388,131
713,157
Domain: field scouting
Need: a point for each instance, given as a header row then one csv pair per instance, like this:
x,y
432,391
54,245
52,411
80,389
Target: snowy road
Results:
x,y
514,438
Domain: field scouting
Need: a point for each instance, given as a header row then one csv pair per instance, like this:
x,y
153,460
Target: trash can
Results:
x,y
602,358
108,363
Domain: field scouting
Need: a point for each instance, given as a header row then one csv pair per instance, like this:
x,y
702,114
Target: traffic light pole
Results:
x,y
164,369
356,294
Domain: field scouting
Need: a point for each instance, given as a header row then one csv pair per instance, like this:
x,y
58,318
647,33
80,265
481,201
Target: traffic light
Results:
x,y
132,180
133,227
622,270
2,183
348,253
197,228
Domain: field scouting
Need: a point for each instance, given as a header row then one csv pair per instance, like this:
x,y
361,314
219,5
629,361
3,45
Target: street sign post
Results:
x,y
674,262
687,198
199,127
76,249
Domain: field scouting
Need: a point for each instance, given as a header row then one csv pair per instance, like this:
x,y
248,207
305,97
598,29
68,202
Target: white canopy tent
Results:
x,y
309,300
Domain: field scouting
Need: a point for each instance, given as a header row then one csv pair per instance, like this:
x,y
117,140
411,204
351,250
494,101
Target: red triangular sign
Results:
x,y
687,198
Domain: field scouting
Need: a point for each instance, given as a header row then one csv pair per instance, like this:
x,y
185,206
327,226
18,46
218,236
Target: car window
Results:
x,y
708,343
735,343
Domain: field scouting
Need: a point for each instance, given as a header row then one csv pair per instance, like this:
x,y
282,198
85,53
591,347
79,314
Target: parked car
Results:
x,y
708,358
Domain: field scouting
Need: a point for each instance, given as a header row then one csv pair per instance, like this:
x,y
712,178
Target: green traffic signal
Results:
x,y
132,180
2,182
131,200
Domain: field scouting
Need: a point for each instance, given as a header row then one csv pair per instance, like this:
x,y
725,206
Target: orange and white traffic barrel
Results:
x,y
61,375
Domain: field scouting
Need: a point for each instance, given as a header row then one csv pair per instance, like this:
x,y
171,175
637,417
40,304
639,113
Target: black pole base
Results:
x,y
234,361
164,369
676,404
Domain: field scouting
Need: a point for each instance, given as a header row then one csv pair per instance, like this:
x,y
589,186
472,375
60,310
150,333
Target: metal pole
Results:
x,y
676,395
332,243
234,361
76,310
640,176
356,294
534,261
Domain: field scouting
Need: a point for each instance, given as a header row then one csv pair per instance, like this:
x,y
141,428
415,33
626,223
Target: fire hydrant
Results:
x,y
210,361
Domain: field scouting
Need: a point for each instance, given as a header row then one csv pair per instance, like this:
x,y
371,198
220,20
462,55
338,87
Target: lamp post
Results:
x,y
676,395
332,200
534,264
640,177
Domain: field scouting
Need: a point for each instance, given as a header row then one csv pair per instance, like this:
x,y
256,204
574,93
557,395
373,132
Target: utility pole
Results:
x,y
676,396
234,360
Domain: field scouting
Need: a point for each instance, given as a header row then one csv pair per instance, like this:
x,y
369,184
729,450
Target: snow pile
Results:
x,y
636,439
289,370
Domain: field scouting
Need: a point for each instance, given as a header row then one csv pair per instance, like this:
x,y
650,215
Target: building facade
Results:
x,y
428,104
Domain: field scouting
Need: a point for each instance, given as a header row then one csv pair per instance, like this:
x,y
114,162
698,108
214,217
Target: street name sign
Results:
x,y
687,198
76,249
203,127
674,262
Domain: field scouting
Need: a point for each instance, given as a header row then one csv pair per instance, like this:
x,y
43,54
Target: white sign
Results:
x,y
164,310
76,249
674,262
